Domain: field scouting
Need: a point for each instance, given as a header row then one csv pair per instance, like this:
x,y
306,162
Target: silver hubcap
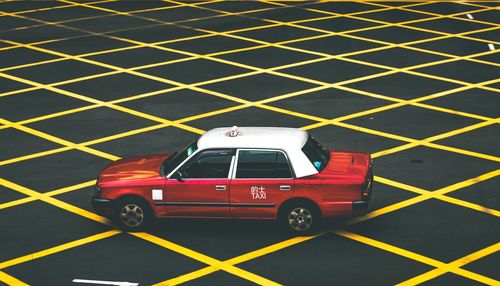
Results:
x,y
132,215
300,219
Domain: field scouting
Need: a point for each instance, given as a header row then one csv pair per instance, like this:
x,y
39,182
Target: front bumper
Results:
x,y
102,206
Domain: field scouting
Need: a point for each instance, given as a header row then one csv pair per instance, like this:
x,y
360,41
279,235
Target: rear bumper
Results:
x,y
344,209
359,207
102,206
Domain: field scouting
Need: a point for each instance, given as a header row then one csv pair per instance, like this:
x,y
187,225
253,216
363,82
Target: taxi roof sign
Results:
x,y
233,132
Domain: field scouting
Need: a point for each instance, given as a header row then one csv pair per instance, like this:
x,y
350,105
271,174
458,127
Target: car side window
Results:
x,y
262,164
209,164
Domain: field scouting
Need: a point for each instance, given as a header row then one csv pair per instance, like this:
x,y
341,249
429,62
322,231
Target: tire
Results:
x,y
301,218
132,214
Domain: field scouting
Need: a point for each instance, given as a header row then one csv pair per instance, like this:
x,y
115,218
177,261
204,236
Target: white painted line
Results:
x,y
470,16
491,46
105,282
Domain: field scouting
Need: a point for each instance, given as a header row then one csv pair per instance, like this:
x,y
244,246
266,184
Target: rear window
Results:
x,y
262,164
316,153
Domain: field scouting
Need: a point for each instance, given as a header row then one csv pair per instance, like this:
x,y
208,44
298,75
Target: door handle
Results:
x,y
285,188
220,187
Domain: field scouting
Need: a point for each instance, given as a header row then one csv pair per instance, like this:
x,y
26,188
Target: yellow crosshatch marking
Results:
x,y
229,265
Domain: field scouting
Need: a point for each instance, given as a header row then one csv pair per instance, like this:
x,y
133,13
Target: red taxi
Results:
x,y
242,173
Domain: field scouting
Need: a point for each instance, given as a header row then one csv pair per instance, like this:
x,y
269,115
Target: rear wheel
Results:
x,y
301,218
132,214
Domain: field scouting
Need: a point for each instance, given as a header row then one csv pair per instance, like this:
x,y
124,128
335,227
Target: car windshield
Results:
x,y
178,157
316,153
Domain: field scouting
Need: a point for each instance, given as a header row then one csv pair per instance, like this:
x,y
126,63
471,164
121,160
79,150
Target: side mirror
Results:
x,y
178,176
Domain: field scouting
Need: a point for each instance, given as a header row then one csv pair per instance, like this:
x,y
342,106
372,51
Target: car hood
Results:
x,y
133,168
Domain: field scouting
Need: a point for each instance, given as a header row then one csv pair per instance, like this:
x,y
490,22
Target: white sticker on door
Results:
x,y
157,194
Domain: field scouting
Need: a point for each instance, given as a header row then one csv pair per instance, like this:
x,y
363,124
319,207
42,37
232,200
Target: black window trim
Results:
x,y
233,175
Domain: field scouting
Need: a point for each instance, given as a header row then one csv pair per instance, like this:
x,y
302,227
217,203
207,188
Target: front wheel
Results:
x,y
302,218
132,214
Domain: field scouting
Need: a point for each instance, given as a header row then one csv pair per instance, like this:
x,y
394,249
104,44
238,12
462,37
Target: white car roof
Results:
x,y
290,140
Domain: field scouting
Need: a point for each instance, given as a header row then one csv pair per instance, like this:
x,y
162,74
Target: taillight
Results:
x,y
367,186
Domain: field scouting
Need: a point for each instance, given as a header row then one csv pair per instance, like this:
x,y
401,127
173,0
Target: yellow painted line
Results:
x,y
126,134
467,183
454,16
43,86
476,255
469,205
237,260
188,277
292,94
55,8
31,64
158,119
162,242
391,248
374,132
461,130
76,210
56,202
34,155
118,69
451,111
423,277
456,264
59,140
17,91
385,210
394,150
425,195
111,137
288,112
474,276
302,50
59,248
17,202
463,152
10,280
212,113
404,24
271,248
359,129
48,194
428,142
399,185
158,43
416,257
92,100
71,188
57,114
205,259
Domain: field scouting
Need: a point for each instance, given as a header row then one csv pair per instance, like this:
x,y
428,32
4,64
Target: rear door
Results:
x,y
262,178
204,188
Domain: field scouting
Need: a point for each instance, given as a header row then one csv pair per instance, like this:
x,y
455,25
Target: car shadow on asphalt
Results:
x,y
231,227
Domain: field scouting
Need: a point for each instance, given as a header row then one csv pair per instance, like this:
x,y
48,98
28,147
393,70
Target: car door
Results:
x,y
202,189
262,179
